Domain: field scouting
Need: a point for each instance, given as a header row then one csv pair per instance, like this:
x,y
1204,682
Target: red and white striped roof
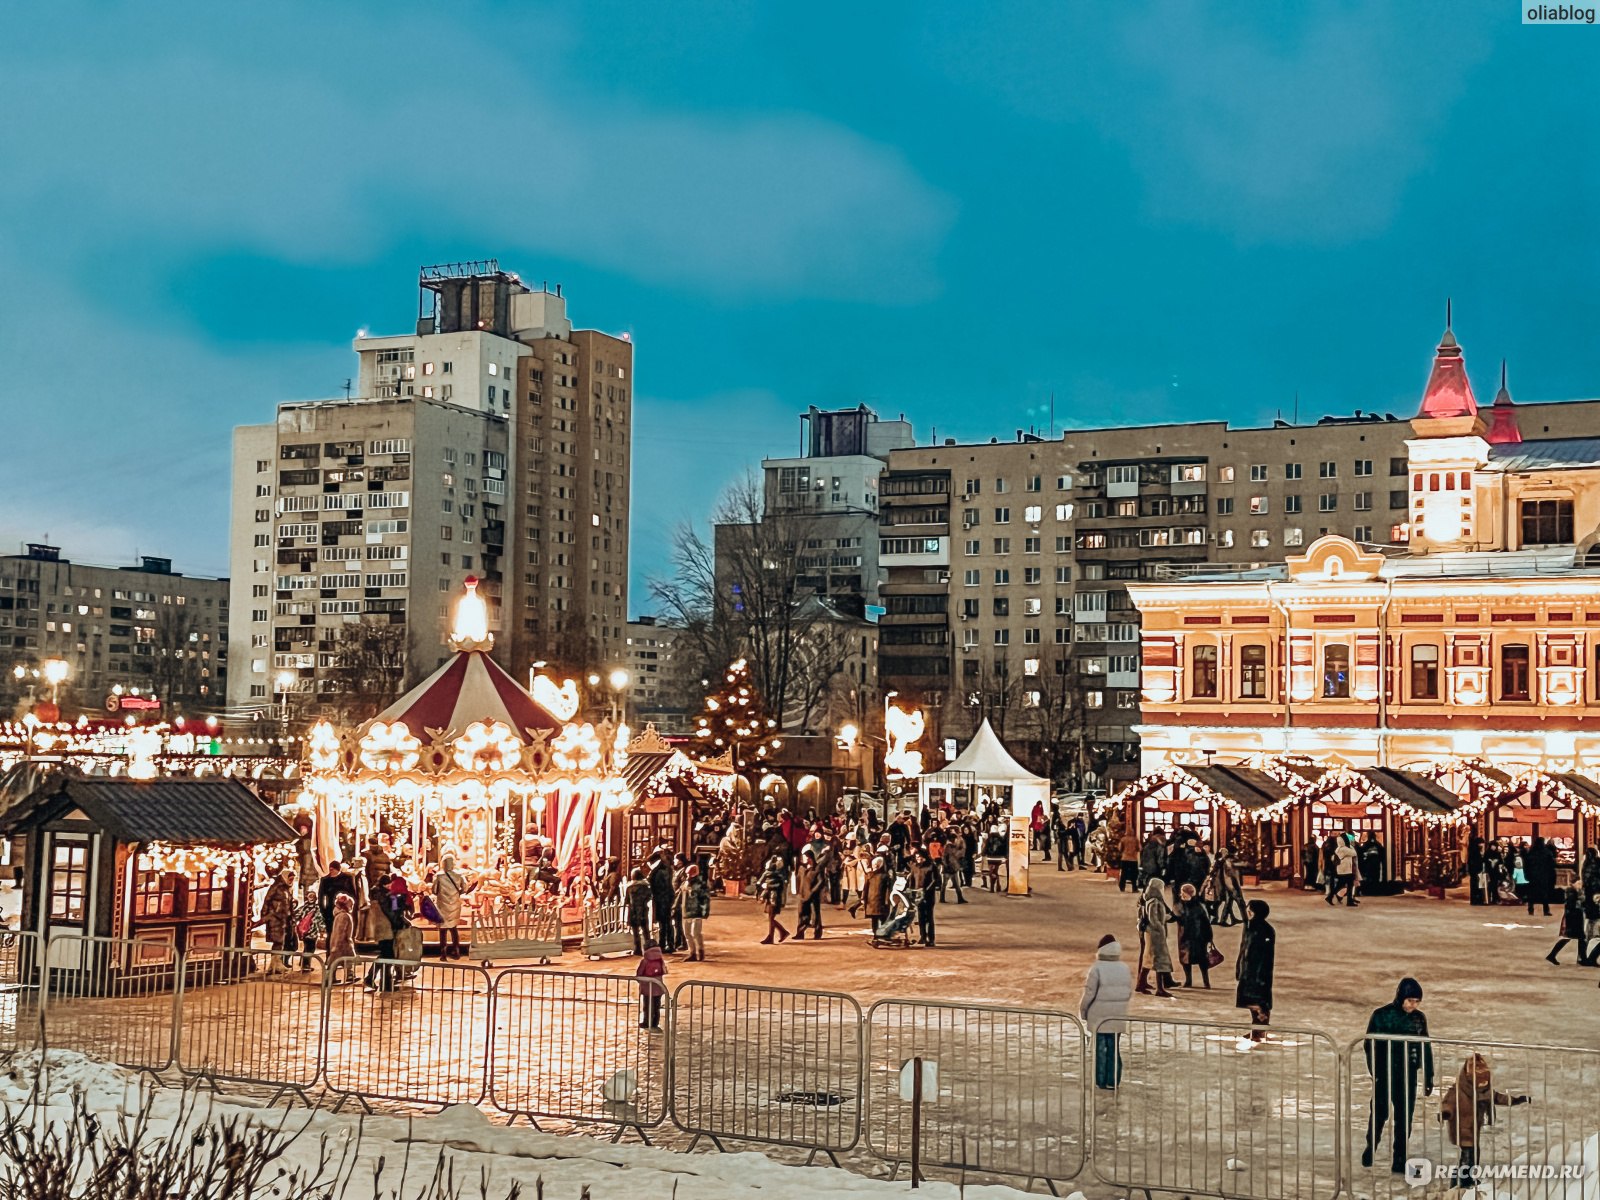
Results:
x,y
470,687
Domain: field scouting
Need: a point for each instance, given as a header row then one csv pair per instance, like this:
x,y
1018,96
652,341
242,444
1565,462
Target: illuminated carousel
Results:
x,y
472,765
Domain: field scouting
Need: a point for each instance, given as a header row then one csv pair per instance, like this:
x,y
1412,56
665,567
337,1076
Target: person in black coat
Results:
x,y
662,894
1373,862
1395,1059
1194,936
1573,928
1257,958
1539,865
1475,868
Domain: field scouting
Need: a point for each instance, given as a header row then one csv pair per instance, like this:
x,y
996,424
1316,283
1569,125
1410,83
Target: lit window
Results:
x,y
1336,671
1032,514
1260,538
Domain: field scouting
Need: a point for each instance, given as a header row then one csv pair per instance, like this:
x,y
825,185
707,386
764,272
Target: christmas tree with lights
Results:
x,y
736,721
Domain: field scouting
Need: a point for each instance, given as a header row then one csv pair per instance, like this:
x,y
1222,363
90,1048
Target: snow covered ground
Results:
x,y
401,1153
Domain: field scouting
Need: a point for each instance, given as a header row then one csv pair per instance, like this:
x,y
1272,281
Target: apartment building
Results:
x,y
146,628
494,443
659,690
1007,563
829,496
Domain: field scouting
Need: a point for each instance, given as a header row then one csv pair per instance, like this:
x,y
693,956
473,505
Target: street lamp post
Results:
x,y
55,672
285,681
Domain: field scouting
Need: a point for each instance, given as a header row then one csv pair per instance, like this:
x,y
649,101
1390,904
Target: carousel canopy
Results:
x,y
986,760
186,812
470,687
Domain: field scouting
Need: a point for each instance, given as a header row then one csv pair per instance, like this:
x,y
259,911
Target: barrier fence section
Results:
x,y
767,1065
1526,1117
252,1016
112,998
579,1048
1002,1087
425,1042
20,961
1207,1109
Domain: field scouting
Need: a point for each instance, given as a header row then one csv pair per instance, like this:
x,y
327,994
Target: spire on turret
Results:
x,y
1448,394
1503,429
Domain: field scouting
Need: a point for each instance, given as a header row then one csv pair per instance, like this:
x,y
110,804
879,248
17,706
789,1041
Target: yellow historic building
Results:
x,y
1467,657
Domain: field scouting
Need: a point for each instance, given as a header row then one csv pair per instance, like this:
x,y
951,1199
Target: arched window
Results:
x,y
1424,671
1336,671
1203,675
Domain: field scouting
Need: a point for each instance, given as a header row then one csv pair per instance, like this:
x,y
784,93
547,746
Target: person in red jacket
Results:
x,y
652,970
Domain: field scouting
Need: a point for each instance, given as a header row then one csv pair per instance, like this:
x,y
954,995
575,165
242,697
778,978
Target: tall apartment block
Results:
x,y
1008,560
144,627
830,495
494,442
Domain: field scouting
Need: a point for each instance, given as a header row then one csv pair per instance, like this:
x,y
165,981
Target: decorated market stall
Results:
x,y
162,865
672,794
1221,805
1564,809
1413,817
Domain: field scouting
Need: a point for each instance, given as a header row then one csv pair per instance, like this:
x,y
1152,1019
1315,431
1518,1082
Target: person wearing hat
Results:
x,y
1398,1053
1255,966
277,918
1107,989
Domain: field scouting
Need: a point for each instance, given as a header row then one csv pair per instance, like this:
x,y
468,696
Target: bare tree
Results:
x,y
370,667
818,673
742,594
1055,716
174,669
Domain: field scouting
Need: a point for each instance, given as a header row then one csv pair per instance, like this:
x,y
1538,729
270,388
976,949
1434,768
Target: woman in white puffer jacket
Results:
x,y
1107,989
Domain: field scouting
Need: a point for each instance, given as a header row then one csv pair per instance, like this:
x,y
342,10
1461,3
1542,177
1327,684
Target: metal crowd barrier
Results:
x,y
424,1040
769,1065
1527,1118
1206,1109
1002,1090
606,930
253,1017
112,998
20,963
578,1048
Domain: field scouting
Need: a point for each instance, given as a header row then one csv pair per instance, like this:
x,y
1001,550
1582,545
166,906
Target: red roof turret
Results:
x,y
1503,429
1448,394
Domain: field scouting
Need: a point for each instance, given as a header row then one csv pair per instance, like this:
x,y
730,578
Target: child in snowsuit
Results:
x,y
1467,1107
652,970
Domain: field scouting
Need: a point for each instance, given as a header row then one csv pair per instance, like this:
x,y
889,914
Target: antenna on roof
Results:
x,y
347,389
1447,321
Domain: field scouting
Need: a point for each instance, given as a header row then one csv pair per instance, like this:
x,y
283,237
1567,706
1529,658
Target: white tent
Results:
x,y
986,763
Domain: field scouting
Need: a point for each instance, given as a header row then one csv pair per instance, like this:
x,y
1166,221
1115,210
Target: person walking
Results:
x,y
809,884
394,904
1465,1108
1344,871
1397,1054
1128,860
1155,914
771,888
694,901
637,899
342,940
1227,889
1591,926
994,857
651,971
1258,953
1107,990
1194,936
1310,857
1475,878
875,893
277,919
337,882
955,849
923,887
449,886
661,895
1152,858
1573,928
1539,863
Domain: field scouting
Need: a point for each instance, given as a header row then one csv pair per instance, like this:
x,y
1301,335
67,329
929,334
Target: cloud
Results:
x,y
386,129
1302,125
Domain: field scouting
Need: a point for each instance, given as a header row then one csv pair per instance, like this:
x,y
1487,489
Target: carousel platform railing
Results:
x,y
605,930
522,931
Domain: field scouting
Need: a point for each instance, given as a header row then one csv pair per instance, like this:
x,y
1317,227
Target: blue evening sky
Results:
x,y
1152,211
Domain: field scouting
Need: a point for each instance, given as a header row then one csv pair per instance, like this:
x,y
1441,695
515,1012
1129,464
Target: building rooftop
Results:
x,y
1546,454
